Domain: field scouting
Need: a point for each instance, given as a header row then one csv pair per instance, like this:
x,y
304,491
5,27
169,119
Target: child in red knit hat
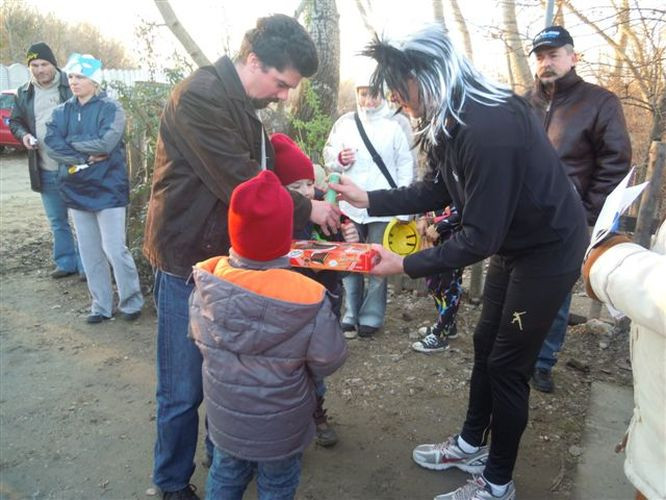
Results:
x,y
253,319
296,172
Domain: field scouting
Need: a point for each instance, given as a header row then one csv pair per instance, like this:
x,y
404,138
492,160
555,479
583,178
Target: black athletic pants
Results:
x,y
518,308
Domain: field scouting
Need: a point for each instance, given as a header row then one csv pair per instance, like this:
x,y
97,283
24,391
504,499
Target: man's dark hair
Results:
x,y
279,41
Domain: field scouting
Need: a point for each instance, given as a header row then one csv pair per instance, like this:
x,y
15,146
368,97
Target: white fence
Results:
x,y
15,75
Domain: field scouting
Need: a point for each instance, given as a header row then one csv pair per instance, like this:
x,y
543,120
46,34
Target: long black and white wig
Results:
x,y
445,78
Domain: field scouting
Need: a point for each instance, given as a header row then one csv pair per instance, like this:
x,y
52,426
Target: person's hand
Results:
x,y
432,235
350,192
389,263
594,254
96,158
349,232
346,158
326,216
29,141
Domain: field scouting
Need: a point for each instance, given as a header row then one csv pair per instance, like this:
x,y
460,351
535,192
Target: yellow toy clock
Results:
x,y
401,237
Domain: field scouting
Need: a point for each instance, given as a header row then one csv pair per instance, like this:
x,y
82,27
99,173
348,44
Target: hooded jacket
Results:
x,y
391,144
78,131
264,333
632,279
586,126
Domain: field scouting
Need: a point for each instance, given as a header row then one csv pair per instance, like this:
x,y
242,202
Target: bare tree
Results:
x,y
365,8
179,31
317,99
438,11
518,64
623,22
461,24
643,56
22,25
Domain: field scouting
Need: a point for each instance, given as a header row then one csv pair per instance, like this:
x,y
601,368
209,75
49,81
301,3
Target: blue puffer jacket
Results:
x,y
76,132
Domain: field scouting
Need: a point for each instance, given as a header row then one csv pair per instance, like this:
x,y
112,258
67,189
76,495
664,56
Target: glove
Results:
x,y
595,253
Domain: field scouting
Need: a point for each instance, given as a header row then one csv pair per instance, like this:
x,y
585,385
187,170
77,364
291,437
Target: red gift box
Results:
x,y
333,255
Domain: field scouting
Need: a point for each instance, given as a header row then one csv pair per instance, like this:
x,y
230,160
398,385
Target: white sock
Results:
x,y
497,489
465,446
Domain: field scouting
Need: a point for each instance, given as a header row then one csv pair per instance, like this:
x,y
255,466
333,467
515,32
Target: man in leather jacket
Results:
x,y
210,140
586,126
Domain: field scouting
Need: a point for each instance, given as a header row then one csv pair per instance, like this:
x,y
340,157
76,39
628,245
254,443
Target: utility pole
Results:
x,y
549,12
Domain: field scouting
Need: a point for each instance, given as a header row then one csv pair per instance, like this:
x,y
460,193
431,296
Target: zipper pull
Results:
x,y
79,116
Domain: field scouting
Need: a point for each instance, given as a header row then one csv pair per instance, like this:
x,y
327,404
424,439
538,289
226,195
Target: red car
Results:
x,y
6,105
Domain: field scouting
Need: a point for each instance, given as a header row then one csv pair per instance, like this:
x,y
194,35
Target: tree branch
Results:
x,y
644,90
179,31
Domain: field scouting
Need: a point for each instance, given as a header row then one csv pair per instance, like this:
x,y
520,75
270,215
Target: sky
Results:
x,y
215,24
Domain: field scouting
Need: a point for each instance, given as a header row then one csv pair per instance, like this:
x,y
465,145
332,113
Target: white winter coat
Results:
x,y
633,280
391,143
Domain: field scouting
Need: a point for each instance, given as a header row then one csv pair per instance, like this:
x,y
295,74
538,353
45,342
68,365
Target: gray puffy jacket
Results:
x,y
264,334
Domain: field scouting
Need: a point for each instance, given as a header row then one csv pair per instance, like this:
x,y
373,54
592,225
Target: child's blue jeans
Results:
x,y
229,476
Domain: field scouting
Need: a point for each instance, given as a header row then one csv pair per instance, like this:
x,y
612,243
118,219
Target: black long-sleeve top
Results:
x,y
513,195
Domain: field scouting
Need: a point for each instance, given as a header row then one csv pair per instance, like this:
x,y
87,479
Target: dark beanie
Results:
x,y
261,218
291,164
40,50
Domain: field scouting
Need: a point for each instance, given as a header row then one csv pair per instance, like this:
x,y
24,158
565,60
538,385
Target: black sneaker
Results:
x,y
366,331
543,380
133,316
431,343
93,319
60,273
187,493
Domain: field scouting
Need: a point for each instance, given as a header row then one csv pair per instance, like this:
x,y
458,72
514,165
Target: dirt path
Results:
x,y
77,401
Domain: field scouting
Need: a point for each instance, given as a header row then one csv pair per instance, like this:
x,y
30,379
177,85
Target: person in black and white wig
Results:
x,y
493,160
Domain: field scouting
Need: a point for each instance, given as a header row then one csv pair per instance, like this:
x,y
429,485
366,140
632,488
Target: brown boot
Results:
x,y
326,435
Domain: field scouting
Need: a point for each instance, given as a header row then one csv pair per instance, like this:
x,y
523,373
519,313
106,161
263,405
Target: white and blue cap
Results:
x,y
551,37
85,65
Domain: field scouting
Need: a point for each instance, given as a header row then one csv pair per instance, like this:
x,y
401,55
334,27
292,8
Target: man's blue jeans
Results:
x,y
65,254
179,385
229,476
555,338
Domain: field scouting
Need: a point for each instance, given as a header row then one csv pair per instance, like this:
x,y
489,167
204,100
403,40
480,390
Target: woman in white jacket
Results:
x,y
632,279
346,152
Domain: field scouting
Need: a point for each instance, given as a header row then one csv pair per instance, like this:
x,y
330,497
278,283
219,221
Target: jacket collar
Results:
x,y
226,71
75,100
241,262
29,87
561,85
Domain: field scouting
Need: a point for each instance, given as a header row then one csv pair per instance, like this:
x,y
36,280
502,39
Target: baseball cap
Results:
x,y
553,36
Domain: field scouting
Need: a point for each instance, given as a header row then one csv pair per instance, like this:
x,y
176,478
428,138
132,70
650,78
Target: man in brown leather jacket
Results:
x,y
210,140
586,125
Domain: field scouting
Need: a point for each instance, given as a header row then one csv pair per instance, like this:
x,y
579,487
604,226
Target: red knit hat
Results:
x,y
291,164
261,218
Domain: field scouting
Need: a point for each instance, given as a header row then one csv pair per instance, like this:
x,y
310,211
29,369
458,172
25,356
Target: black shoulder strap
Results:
x,y
373,152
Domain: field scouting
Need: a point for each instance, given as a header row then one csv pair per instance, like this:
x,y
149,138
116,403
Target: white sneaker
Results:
x,y
478,489
348,330
448,454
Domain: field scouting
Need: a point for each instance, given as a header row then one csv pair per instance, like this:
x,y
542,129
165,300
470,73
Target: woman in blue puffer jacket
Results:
x,y
85,136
